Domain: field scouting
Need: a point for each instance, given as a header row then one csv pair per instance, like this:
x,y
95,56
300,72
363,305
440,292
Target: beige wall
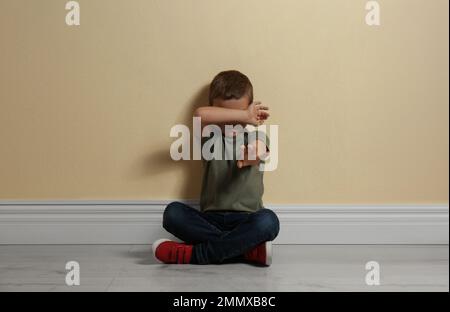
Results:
x,y
86,112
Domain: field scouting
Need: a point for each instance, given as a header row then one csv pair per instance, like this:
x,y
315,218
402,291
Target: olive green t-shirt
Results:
x,y
226,187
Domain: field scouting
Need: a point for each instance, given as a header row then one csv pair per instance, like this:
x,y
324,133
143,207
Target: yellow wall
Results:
x,y
86,112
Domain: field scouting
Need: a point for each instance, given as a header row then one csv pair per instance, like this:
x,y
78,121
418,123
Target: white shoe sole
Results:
x,y
268,253
155,245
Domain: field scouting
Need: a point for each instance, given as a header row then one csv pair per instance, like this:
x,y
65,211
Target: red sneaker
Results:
x,y
261,254
170,252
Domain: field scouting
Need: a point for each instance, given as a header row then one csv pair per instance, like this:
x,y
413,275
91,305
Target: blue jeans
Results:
x,y
220,236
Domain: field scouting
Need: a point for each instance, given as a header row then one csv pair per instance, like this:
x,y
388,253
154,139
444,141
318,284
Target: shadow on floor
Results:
x,y
142,256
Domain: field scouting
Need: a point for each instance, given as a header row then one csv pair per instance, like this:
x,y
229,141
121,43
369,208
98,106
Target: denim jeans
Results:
x,y
220,236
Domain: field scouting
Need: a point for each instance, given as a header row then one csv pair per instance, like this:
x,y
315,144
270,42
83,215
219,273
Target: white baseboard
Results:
x,y
139,222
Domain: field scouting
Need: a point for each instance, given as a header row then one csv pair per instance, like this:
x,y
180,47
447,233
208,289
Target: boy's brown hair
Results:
x,y
230,84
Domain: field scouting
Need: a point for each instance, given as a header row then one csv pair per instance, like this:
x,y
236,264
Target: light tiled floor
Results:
x,y
294,268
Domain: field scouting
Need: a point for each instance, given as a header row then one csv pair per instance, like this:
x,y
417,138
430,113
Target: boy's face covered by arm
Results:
x,y
255,151
228,115
256,113
233,112
241,104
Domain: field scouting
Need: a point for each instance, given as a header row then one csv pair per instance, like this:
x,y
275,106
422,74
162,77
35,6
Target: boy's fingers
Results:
x,y
262,107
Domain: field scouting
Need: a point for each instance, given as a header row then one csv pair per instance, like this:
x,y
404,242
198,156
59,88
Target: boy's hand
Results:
x,y
252,154
257,113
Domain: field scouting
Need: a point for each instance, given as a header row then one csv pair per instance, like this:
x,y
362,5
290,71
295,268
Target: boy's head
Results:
x,y
231,89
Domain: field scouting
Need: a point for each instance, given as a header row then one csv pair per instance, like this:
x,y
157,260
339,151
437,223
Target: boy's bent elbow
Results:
x,y
203,114
199,112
